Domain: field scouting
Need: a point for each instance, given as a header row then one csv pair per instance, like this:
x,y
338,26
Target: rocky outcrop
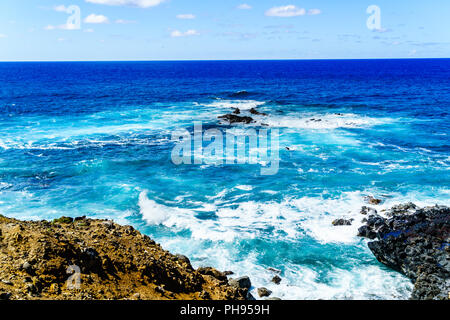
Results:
x,y
257,113
98,259
232,118
342,222
372,200
415,242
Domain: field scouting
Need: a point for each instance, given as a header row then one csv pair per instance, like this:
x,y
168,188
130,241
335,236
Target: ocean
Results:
x,y
95,139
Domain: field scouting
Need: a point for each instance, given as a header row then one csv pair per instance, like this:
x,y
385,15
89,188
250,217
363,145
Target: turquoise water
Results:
x,y
95,139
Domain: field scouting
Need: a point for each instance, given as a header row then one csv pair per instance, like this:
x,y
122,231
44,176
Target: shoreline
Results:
x,y
42,259
89,259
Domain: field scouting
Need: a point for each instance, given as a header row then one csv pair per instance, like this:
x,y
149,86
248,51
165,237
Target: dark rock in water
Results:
x,y
277,271
372,200
228,273
250,297
236,111
342,222
415,244
264,125
276,280
240,94
402,209
232,118
273,299
242,282
368,210
366,232
264,292
257,113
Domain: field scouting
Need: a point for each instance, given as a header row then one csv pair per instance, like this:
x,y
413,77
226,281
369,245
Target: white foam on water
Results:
x,y
327,121
240,104
244,188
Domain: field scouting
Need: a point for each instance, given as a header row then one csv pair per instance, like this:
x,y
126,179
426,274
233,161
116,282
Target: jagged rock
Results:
x,y
257,113
372,200
264,292
108,260
250,297
402,209
342,222
26,266
232,118
274,270
236,111
368,210
415,244
242,282
63,220
213,273
276,279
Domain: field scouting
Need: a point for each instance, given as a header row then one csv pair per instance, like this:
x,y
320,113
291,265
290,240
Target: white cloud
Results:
x,y
189,33
88,30
313,12
96,18
61,27
2,35
244,6
285,11
381,30
61,39
60,8
131,3
122,21
186,16
412,53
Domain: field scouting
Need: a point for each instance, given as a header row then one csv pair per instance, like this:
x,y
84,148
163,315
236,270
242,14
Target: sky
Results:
x,y
90,30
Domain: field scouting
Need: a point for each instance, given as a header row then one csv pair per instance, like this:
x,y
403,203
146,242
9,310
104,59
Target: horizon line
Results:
x,y
231,60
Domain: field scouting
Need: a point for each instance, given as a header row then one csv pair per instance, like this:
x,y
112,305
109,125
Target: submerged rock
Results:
x,y
276,279
415,243
368,210
342,222
264,292
372,200
257,113
232,118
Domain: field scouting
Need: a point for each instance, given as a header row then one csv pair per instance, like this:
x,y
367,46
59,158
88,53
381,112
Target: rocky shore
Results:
x,y
86,259
416,242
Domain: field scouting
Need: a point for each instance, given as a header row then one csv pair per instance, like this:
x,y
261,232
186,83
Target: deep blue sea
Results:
x,y
94,139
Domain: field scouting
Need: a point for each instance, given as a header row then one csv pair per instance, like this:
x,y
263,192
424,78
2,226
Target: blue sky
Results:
x,y
231,29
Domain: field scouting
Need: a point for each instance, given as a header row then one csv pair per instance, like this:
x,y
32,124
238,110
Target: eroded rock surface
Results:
x,y
109,261
415,242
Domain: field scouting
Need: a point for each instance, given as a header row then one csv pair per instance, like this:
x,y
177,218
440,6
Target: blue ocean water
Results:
x,y
94,139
